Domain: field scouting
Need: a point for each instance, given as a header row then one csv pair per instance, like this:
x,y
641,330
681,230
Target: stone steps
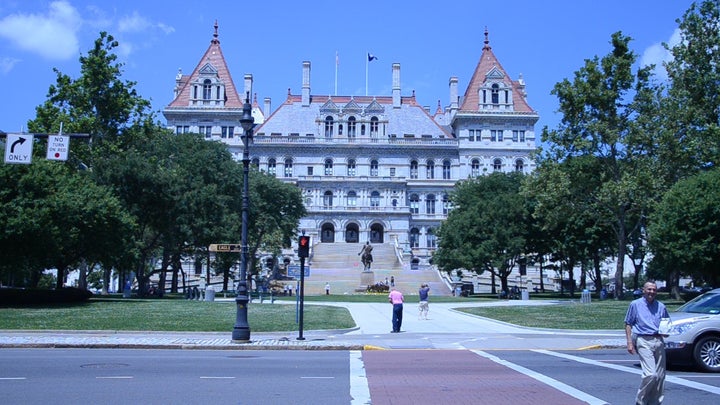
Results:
x,y
340,265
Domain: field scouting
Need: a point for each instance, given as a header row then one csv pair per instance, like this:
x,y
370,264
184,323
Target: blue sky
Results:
x,y
545,41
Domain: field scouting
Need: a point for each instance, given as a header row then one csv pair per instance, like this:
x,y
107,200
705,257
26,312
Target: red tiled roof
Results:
x,y
487,62
215,57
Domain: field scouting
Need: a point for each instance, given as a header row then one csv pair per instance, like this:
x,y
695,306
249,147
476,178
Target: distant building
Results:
x,y
371,168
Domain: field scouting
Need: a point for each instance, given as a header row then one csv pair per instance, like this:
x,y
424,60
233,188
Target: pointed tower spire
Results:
x,y
439,110
215,39
213,66
490,72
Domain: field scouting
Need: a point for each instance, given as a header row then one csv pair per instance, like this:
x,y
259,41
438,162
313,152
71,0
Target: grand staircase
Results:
x,y
340,265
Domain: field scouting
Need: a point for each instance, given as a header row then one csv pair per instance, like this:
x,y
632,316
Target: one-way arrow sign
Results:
x,y
18,148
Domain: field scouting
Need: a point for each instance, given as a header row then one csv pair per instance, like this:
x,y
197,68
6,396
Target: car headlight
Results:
x,y
680,328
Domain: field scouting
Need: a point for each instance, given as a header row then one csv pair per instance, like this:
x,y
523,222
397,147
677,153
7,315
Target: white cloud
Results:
x,y
133,23
52,35
7,64
166,28
137,23
656,54
129,27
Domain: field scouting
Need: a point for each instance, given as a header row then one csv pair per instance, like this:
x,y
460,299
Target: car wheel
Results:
x,y
707,354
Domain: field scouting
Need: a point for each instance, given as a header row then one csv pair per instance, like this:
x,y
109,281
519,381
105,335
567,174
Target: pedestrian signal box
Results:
x,y
304,246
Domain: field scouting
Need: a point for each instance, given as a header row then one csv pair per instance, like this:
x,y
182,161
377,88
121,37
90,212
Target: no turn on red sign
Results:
x,y
58,147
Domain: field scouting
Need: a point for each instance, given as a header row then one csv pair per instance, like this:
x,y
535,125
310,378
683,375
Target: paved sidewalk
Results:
x,y
446,328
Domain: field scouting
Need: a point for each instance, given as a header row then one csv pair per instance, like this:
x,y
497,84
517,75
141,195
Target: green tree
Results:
x,y
99,102
692,105
566,213
600,108
56,217
487,228
276,208
685,229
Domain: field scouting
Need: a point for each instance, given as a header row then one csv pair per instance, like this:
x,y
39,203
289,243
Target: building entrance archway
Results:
x,y
377,232
352,233
327,233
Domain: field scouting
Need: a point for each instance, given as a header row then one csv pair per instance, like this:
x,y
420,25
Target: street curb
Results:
x,y
238,346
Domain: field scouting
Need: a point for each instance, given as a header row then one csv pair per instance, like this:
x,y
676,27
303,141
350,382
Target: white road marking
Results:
x,y
13,378
216,378
115,377
318,378
359,389
574,392
672,379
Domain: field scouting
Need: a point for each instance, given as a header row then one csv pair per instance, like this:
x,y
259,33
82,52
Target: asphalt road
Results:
x,y
118,376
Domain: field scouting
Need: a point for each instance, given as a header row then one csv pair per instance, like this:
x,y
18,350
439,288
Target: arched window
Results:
x,y
328,167
271,167
329,127
375,199
414,238
519,165
288,167
446,170
497,165
475,168
413,169
495,97
328,199
340,129
352,124
431,240
414,204
430,204
374,168
207,89
255,162
430,169
374,127
446,204
351,168
351,199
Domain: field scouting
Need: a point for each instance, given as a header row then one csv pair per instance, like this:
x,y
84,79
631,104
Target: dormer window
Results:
x,y
207,89
329,127
352,122
374,127
495,94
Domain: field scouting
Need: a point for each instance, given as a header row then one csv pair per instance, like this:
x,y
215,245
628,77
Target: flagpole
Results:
x,y
367,61
337,62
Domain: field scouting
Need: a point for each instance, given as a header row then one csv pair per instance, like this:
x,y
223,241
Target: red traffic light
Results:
x,y
304,246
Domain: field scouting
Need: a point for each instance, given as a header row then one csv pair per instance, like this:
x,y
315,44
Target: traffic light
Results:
x,y
304,246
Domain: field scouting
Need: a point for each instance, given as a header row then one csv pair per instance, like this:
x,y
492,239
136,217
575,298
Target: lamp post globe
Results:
x,y
241,330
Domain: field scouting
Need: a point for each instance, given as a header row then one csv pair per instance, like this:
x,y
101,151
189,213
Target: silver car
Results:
x,y
694,333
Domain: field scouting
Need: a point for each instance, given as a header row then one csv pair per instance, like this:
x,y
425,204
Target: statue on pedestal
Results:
x,y
367,258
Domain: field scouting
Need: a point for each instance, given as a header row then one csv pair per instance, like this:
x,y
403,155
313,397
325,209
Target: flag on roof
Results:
x,y
371,57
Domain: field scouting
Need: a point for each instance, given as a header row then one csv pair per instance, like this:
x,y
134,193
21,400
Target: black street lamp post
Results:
x,y
241,330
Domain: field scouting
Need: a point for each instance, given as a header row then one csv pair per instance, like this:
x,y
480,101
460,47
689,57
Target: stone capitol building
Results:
x,y
374,168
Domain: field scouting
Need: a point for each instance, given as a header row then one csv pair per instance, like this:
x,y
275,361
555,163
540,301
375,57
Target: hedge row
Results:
x,y
37,296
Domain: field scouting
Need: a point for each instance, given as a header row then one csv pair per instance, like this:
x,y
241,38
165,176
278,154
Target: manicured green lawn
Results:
x,y
170,315
182,315
608,314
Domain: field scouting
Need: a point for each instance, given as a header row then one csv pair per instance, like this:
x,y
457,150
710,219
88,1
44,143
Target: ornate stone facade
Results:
x,y
371,168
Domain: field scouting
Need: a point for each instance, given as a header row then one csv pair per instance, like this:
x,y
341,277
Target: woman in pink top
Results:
x,y
396,299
